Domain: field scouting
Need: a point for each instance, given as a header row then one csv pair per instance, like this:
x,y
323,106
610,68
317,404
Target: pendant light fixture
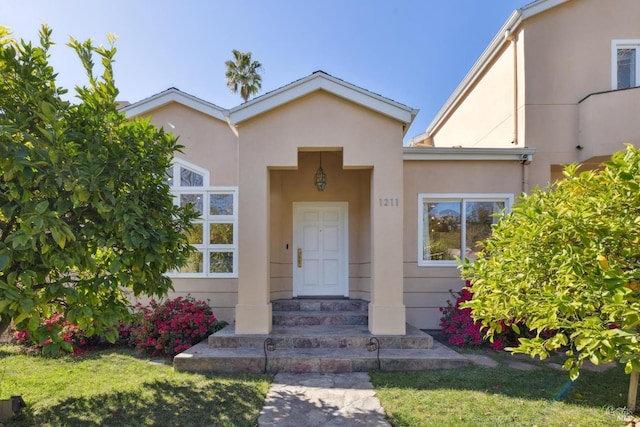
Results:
x,y
320,177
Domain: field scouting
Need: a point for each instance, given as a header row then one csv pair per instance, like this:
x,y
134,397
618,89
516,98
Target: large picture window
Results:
x,y
215,232
450,226
624,63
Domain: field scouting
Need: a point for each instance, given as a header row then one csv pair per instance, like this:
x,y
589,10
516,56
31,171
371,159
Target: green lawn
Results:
x,y
119,388
480,396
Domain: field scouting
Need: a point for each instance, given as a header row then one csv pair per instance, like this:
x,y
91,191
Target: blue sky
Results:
x,y
412,51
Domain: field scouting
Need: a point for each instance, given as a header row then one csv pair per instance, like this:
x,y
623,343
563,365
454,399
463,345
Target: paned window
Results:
x,y
214,233
451,225
624,63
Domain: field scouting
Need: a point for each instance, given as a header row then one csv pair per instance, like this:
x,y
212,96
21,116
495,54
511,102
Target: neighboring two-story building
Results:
x,y
308,190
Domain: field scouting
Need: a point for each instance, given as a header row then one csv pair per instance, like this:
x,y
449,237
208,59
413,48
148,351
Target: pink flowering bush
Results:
x,y
168,328
63,336
459,329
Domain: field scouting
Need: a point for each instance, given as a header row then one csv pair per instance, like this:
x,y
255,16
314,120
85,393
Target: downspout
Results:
x,y
513,38
525,178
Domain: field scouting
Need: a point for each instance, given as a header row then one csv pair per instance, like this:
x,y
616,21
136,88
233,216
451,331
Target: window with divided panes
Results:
x,y
214,233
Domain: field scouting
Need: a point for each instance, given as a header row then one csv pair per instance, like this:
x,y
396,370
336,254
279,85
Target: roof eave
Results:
x,y
462,153
323,81
174,95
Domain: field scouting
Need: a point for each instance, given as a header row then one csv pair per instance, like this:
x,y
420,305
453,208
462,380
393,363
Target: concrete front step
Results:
x,y
202,358
324,336
331,305
314,335
301,318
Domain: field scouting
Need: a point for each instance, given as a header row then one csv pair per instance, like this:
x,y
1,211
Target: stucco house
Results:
x,y
560,76
556,85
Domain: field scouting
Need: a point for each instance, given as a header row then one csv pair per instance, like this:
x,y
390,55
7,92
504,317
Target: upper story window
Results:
x,y
451,225
214,233
624,62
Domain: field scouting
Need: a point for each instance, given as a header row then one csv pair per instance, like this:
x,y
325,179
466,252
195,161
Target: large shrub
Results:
x,y
460,329
86,214
567,260
173,326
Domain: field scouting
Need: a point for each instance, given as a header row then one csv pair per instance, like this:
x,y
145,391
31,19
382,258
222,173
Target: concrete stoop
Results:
x,y
335,343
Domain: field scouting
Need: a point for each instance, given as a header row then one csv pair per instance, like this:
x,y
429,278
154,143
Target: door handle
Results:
x,y
299,257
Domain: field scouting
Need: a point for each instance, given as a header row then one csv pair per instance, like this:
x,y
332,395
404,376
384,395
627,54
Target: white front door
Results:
x,y
320,249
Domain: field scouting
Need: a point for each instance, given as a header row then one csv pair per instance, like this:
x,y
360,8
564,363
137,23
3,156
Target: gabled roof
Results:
x,y
174,95
320,80
498,41
314,82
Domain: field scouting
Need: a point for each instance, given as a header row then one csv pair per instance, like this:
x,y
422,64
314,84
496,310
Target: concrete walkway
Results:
x,y
310,400
346,399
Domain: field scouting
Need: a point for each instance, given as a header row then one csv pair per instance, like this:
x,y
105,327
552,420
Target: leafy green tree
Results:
x,y
86,217
243,74
566,263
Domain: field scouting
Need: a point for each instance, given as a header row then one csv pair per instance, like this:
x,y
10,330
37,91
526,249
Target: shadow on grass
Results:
x,y
224,402
606,389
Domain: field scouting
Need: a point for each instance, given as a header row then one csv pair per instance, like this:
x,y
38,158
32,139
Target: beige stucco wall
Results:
x,y
426,289
564,54
319,122
209,144
289,186
608,120
485,116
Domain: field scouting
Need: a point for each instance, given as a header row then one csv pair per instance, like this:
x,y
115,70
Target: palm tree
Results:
x,y
244,74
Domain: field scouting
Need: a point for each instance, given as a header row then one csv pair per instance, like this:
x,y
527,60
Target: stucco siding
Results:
x,y
568,57
289,186
568,48
220,294
607,121
208,142
484,117
428,288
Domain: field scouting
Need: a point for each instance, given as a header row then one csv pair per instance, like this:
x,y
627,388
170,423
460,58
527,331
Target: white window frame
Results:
x,y
623,44
463,198
206,248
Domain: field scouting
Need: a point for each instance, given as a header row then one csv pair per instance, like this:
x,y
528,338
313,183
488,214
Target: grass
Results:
x,y
480,396
117,387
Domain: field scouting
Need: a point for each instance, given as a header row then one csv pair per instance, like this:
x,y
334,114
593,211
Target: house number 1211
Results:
x,y
389,202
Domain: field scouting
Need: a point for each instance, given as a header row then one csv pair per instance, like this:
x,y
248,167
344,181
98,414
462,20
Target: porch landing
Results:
x,y
328,336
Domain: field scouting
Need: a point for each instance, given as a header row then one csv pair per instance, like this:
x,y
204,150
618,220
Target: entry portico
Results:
x,y
354,226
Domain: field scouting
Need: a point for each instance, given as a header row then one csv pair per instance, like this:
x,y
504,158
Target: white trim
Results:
x,y
316,81
344,262
174,95
621,44
177,163
453,197
206,247
466,153
322,81
539,6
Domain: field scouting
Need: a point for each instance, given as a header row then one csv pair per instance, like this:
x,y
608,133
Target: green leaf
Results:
x,y
21,317
42,207
111,336
26,304
66,346
4,261
115,266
